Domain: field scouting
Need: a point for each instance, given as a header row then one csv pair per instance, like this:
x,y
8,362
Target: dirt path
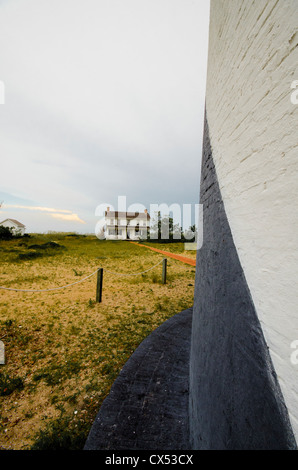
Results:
x,y
184,259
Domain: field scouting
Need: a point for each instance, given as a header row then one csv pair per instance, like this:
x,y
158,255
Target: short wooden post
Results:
x,y
164,271
99,285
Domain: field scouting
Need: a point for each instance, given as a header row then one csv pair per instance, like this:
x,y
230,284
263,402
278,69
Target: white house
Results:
x,y
126,225
16,227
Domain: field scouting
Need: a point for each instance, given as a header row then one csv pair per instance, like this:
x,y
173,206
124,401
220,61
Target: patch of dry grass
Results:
x,y
63,350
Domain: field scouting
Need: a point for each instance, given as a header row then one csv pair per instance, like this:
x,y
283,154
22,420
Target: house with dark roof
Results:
x,y
16,227
126,225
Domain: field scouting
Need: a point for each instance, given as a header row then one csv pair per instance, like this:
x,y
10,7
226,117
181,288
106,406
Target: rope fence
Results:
x,y
99,283
99,272
47,290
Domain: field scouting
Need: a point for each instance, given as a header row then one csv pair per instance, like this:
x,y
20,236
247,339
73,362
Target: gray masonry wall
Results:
x,y
243,387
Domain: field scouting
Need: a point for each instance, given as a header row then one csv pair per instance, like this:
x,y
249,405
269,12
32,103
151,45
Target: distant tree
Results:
x,y
164,229
190,234
5,233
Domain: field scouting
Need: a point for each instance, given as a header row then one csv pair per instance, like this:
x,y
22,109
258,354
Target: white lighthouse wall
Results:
x,y
253,128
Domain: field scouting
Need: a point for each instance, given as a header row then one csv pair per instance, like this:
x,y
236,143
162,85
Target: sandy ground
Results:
x,y
63,345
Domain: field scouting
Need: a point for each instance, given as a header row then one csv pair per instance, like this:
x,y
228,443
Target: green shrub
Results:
x,y
45,246
30,255
5,233
61,434
9,385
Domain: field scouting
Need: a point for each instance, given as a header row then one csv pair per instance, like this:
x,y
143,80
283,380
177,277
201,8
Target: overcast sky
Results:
x,y
103,98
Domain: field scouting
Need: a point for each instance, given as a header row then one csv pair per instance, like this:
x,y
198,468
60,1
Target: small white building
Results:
x,y
16,227
126,225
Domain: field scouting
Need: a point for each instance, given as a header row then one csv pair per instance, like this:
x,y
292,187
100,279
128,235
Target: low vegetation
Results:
x,y
63,350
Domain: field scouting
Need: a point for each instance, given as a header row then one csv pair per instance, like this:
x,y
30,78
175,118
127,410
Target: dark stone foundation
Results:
x,y
147,408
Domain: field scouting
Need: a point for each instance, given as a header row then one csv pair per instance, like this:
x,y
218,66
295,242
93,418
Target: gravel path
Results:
x,y
184,259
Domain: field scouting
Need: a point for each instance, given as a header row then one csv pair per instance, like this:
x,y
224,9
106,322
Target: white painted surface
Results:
x,y
127,228
253,123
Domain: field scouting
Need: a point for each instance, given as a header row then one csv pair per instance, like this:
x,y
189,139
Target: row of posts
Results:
x,y
100,279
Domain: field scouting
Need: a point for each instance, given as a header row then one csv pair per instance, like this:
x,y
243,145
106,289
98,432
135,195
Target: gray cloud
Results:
x,y
103,98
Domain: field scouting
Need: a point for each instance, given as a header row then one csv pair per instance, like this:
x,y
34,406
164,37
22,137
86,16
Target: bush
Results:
x,y
5,233
45,246
30,255
8,384
61,434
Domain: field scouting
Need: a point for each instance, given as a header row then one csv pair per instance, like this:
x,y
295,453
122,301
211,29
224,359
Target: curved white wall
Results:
x,y
253,124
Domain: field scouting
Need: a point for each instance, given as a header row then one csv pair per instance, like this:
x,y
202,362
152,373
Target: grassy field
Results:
x,y
63,350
